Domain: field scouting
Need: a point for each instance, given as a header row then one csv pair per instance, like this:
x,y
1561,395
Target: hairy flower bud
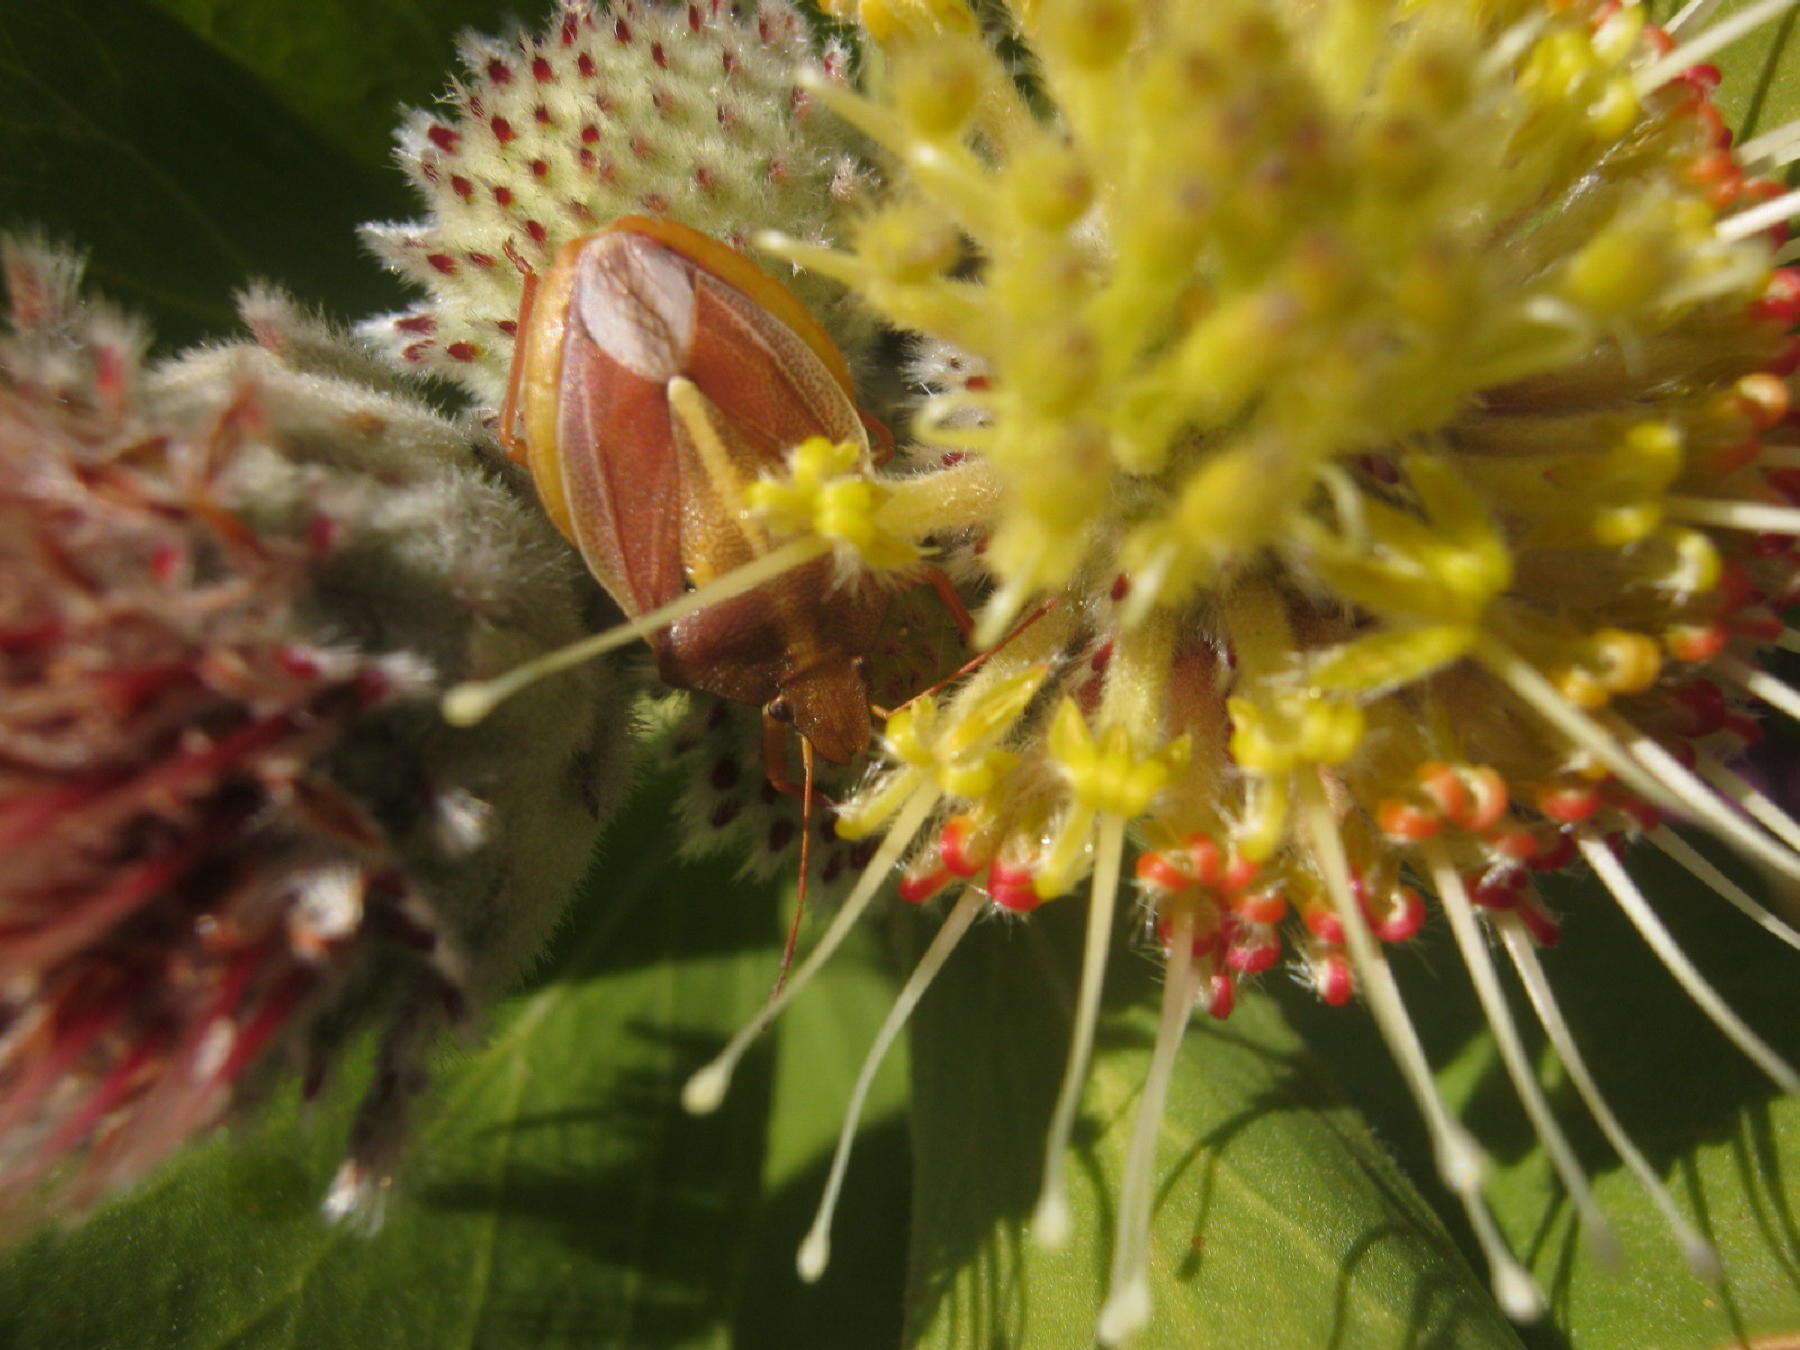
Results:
x,y
227,816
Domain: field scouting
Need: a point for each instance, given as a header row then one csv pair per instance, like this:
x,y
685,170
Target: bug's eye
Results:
x,y
778,709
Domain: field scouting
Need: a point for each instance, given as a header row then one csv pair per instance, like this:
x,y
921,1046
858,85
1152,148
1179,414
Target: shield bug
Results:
x,y
658,372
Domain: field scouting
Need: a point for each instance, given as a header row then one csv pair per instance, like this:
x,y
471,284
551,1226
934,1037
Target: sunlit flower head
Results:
x,y
1363,431
1366,427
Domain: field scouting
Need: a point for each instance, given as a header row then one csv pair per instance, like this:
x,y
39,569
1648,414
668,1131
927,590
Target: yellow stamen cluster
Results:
x,y
1333,358
825,494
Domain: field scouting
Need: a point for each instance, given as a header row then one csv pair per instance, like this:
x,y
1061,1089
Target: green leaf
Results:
x,y
1714,1127
123,134
348,67
1278,1222
559,1196
1761,87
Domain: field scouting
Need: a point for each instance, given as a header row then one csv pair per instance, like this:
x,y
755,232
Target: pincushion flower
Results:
x,y
1364,432
220,838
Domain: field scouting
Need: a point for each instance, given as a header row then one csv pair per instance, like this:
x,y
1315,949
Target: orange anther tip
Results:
x,y
1158,872
954,850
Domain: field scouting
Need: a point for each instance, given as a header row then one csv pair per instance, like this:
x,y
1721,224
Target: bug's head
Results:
x,y
828,703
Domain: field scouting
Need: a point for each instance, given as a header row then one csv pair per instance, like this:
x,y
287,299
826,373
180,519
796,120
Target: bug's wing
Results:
x,y
770,386
621,476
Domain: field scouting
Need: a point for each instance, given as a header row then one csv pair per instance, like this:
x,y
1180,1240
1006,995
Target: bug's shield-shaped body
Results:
x,y
652,497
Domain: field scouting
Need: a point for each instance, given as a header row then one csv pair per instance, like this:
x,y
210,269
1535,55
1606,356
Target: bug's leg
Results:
x,y
939,581
881,440
976,661
806,821
509,410
775,758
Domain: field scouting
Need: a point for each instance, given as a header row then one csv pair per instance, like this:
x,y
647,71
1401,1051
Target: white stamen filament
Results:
x,y
1744,224
1127,1305
1689,857
1716,38
1699,1252
815,1250
1760,517
1459,1158
1668,951
1770,142
1758,805
1528,683
468,703
1050,1221
1761,684
1463,926
1704,804
1772,149
1694,11
707,1088
998,613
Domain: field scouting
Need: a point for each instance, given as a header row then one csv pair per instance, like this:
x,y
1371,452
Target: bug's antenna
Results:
x,y
808,794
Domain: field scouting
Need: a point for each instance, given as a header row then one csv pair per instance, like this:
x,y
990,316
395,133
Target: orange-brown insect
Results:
x,y
645,478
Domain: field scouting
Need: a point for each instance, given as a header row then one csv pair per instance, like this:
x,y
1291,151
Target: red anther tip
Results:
x,y
1158,872
1695,643
1780,300
1223,996
1705,77
1557,855
1239,872
1569,804
916,890
1404,917
1333,978
1261,907
1010,887
1405,822
1497,888
1543,927
1517,846
954,851
1206,859
1323,924
1253,956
